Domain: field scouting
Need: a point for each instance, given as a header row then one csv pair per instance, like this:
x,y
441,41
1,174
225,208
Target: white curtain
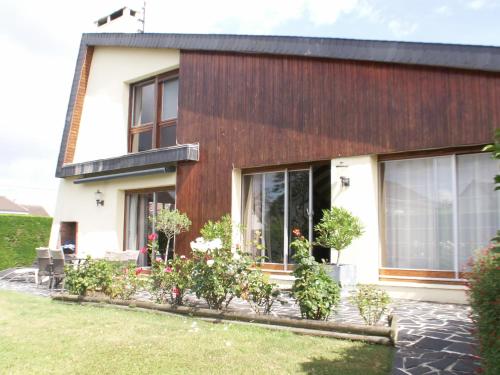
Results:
x,y
133,200
418,198
252,210
478,204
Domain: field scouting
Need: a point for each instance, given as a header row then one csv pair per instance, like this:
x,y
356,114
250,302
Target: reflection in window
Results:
x,y
422,198
140,207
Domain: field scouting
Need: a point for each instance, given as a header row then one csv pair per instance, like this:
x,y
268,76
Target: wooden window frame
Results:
x,y
389,274
157,123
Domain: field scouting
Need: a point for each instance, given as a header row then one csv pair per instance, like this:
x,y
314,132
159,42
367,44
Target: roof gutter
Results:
x,y
125,174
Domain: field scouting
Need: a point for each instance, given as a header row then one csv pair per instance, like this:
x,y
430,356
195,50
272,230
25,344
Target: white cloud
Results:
x,y
402,28
443,10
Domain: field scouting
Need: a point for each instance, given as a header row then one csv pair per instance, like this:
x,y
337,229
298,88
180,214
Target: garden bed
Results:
x,y
385,335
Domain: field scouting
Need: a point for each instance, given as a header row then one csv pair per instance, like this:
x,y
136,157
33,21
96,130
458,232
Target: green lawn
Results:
x,y
20,235
38,335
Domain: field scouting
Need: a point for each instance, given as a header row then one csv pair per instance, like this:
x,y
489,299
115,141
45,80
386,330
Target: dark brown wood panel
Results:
x,y
250,111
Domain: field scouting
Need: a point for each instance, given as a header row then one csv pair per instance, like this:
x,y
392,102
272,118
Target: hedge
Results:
x,y
19,236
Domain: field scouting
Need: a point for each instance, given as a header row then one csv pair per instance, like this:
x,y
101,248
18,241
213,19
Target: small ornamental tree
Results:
x,y
171,223
337,229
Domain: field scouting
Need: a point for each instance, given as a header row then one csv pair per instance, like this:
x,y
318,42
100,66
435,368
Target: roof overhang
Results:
x,y
146,160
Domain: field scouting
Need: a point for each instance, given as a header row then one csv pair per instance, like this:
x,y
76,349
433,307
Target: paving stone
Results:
x,y
465,366
442,364
396,371
463,348
410,362
420,370
433,344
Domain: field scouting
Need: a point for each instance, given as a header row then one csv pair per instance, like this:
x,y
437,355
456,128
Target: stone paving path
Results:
x,y
433,338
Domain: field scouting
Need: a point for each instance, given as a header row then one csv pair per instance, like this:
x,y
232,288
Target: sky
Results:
x,y
39,41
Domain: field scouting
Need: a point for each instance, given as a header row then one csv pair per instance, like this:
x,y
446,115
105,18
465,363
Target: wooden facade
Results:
x,y
249,111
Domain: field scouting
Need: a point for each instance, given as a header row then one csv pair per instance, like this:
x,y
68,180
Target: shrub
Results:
x,y
371,302
171,224
219,274
90,276
484,295
316,293
259,292
125,283
222,229
337,229
171,283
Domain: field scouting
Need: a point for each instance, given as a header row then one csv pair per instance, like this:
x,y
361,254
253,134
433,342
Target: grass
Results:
x,y
38,335
19,236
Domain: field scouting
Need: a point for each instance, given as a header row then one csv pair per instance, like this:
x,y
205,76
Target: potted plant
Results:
x,y
336,230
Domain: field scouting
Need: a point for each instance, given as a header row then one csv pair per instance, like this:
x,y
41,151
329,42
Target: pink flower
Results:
x,y
138,270
144,250
152,237
175,291
168,269
296,232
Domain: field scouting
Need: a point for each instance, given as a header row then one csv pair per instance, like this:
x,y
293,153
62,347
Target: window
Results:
x,y
154,113
438,211
140,206
276,202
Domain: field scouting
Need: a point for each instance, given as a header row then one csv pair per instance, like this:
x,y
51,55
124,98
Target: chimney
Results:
x,y
124,20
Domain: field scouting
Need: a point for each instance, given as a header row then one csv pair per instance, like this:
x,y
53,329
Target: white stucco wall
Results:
x,y
361,198
100,228
103,126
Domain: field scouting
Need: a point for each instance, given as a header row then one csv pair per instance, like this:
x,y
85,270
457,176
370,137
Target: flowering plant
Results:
x,y
126,282
170,283
151,247
218,271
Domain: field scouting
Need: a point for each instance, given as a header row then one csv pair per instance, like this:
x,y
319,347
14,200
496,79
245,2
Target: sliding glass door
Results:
x,y
274,204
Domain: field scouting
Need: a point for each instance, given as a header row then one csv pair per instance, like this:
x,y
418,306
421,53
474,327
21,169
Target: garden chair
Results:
x,y
44,265
58,263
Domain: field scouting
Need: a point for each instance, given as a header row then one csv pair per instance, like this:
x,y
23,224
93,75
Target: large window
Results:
x,y
438,211
141,208
153,117
276,202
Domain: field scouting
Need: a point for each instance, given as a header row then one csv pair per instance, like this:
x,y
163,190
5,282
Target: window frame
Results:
x,y
152,190
454,277
158,124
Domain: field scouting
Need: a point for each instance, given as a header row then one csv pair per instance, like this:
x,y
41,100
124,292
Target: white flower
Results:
x,y
183,257
199,245
215,244
236,256
210,262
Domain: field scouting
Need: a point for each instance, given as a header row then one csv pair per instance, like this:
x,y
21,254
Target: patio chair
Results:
x,y
58,263
44,264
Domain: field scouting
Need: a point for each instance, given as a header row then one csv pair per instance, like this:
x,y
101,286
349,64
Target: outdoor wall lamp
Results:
x,y
98,198
344,181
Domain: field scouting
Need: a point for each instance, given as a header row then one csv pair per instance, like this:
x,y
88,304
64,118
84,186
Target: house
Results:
x,y
273,130
9,207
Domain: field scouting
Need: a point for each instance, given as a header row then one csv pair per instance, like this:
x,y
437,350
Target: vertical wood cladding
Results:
x,y
78,107
253,110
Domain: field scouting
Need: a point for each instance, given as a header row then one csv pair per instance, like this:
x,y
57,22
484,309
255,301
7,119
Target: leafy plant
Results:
x,y
171,224
371,302
259,292
125,283
170,283
90,276
316,293
219,274
222,229
337,229
484,296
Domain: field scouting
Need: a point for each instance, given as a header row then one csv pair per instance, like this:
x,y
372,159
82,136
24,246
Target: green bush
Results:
x,y
125,283
371,302
259,292
219,274
316,293
484,295
222,229
170,283
20,235
90,276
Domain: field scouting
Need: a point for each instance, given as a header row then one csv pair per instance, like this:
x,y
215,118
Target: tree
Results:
x,y
495,154
171,223
337,229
